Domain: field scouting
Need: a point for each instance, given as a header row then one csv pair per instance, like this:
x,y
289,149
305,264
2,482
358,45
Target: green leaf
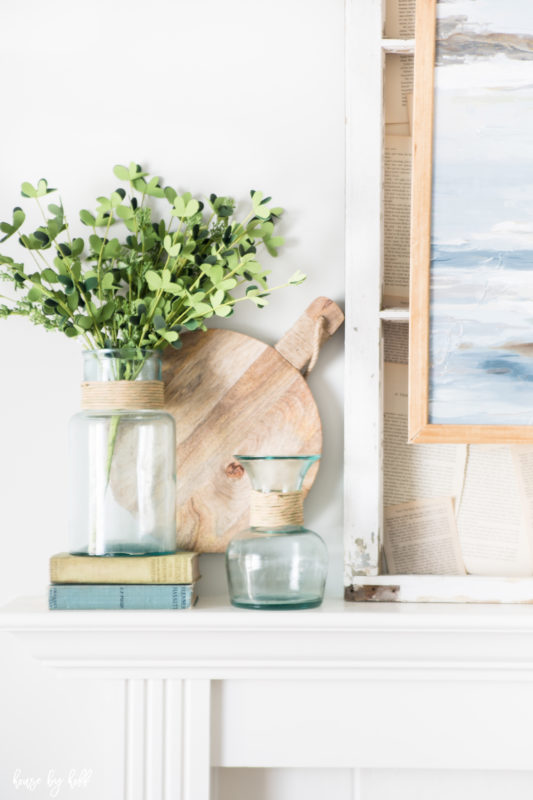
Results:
x,y
73,300
27,190
32,242
49,275
170,336
223,311
217,298
172,249
154,281
76,247
85,323
215,274
125,212
115,199
262,211
227,284
192,325
105,203
75,269
42,188
122,173
107,281
91,283
95,242
179,206
154,189
202,309
254,267
297,278
34,294
175,289
106,311
67,282
158,322
112,249
53,228
103,219
272,243
9,229
191,208
56,210
135,170
260,302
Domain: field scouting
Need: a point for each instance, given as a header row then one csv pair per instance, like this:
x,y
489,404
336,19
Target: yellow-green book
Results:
x,y
175,568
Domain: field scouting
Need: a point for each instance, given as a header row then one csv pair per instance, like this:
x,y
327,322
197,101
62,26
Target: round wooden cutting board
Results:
x,y
231,393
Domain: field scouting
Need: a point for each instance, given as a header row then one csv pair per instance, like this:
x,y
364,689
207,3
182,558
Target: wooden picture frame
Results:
x,y
421,427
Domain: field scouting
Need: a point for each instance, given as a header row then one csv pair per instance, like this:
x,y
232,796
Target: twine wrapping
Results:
x,y
118,395
276,509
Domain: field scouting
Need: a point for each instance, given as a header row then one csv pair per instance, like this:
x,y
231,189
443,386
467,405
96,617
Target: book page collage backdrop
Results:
x,y
448,509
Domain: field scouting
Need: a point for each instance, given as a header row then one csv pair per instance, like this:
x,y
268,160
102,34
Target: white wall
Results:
x,y
214,96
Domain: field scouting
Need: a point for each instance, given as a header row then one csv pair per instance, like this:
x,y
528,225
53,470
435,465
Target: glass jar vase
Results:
x,y
122,498
277,563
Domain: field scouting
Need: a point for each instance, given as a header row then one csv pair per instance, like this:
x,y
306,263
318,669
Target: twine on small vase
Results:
x,y
276,509
119,395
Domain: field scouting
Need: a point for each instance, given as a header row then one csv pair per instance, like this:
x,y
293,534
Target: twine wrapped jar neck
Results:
x,y
117,379
118,395
276,509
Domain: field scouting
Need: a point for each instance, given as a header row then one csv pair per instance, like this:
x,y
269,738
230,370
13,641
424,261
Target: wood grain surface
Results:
x,y
230,393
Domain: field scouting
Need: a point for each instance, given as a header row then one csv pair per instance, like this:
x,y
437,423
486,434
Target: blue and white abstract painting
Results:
x,y
481,310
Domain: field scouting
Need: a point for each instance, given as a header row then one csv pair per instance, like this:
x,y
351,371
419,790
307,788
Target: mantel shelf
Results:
x,y
217,641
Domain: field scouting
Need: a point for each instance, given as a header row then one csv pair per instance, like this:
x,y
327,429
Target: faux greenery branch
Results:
x,y
165,274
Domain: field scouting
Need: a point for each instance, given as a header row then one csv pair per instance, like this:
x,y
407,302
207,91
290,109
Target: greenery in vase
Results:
x,y
166,274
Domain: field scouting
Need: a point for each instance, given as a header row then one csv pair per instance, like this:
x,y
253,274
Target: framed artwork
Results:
x,y
471,323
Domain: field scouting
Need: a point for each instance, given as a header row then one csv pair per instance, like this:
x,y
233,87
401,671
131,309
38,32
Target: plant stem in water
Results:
x,y
113,431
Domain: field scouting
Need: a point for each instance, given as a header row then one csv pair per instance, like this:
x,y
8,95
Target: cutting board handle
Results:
x,y
300,345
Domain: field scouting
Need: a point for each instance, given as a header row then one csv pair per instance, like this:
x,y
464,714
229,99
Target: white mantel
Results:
x,y
338,640
344,686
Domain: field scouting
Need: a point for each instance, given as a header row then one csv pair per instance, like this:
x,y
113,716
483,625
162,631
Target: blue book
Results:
x,y
115,596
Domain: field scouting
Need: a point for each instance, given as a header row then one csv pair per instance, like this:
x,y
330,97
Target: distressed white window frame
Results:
x,y
364,577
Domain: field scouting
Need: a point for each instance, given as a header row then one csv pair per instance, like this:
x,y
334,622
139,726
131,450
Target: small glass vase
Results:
x,y
122,498
277,563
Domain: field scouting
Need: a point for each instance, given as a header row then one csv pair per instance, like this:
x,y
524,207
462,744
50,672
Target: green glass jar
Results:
x,y
276,563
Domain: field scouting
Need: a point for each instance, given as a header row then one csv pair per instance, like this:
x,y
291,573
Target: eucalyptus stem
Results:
x,y
99,265
156,279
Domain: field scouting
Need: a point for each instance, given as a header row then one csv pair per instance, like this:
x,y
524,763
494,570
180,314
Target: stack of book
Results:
x,y
129,582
